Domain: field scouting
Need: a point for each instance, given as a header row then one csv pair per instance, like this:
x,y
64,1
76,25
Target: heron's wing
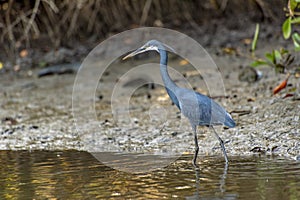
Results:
x,y
193,107
215,113
202,110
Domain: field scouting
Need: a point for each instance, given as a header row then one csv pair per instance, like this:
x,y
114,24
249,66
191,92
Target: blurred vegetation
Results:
x,y
53,23
283,60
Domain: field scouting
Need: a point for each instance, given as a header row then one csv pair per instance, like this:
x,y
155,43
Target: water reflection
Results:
x,y
134,162
78,175
198,177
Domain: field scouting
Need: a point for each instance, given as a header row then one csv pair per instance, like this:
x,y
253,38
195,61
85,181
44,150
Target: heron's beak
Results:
x,y
138,51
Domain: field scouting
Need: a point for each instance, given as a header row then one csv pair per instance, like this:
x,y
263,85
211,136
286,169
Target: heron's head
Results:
x,y
152,45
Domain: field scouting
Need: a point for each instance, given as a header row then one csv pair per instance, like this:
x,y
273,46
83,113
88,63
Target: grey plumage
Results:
x,y
198,108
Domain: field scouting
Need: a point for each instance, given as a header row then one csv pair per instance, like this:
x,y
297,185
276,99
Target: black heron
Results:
x,y
198,108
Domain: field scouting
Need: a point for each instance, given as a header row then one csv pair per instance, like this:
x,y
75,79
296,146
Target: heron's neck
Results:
x,y
169,84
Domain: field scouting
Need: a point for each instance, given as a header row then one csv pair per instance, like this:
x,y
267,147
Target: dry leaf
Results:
x,y
23,53
279,87
247,41
183,62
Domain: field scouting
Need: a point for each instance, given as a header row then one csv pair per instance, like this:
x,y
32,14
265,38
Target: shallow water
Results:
x,y
78,175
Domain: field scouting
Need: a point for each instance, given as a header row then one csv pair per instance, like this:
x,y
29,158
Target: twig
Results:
x,y
25,22
93,16
74,18
50,31
8,22
51,23
223,5
267,13
11,48
190,19
145,12
30,22
52,5
13,24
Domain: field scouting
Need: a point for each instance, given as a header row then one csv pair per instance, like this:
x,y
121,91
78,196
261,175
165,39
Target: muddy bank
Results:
x,y
36,113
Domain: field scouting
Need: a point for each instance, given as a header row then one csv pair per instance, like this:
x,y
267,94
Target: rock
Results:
x,y
250,75
59,69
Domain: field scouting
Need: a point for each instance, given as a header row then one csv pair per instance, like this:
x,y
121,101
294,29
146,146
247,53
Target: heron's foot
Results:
x,y
195,163
196,166
224,150
221,144
195,157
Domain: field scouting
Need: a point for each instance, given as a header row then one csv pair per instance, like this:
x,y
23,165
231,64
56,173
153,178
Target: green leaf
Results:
x,y
270,57
295,20
297,36
283,51
277,55
258,63
42,64
296,40
293,4
287,28
255,37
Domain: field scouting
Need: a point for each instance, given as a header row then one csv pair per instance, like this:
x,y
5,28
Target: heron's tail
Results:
x,y
229,122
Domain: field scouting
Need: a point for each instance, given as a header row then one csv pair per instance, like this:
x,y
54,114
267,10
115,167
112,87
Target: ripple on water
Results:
x,y
78,175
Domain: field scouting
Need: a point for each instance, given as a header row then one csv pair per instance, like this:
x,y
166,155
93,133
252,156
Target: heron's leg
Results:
x,y
196,146
221,144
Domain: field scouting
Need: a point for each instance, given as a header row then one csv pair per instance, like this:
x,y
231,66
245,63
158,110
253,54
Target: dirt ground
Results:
x,y
36,113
